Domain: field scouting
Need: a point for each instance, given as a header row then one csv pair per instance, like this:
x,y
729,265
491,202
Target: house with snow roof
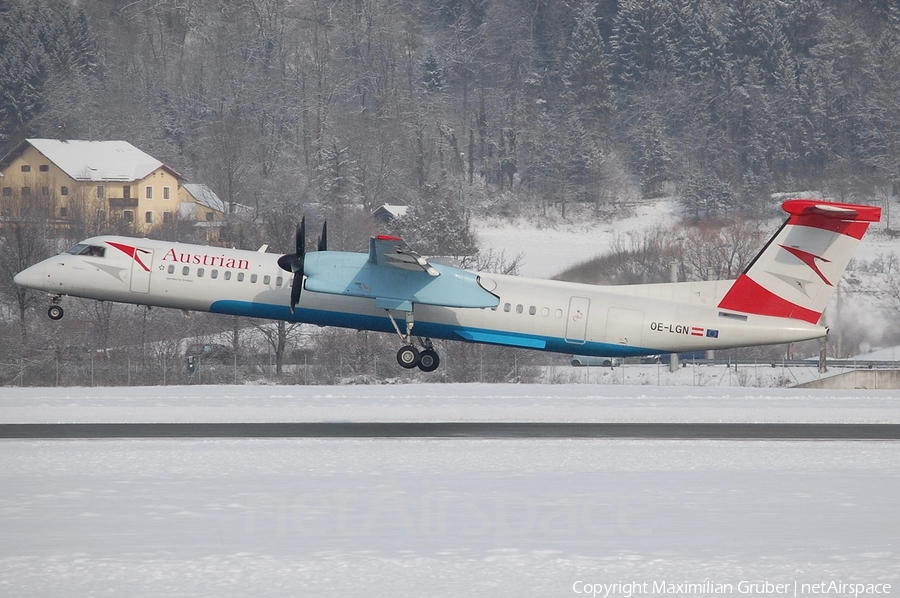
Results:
x,y
104,180
200,203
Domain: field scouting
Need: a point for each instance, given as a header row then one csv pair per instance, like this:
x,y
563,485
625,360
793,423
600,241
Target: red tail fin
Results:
x,y
795,273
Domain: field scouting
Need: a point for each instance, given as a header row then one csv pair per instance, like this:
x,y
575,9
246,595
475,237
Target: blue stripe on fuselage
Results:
x,y
424,329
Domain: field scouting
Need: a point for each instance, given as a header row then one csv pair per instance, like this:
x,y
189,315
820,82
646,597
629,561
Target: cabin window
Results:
x,y
214,274
185,271
267,279
253,278
507,307
520,308
545,312
532,310
240,277
200,272
558,313
279,281
171,268
227,275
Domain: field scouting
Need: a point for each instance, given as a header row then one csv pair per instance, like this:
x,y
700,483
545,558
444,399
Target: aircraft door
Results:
x,y
624,326
576,324
141,265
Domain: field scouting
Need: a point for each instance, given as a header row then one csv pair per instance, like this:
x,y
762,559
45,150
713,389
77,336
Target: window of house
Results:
x,y
45,191
100,191
167,217
148,217
26,191
64,212
44,168
209,216
63,190
101,215
128,216
26,168
149,192
167,193
126,192
7,192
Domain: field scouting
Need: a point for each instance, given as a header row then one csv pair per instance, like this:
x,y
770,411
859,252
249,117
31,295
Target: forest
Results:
x,y
456,108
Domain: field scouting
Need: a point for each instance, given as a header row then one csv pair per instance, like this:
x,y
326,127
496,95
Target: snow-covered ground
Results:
x,y
443,517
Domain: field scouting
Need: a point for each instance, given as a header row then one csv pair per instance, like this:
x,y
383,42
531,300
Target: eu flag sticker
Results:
x,y
710,333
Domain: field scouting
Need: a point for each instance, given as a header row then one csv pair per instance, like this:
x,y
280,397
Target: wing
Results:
x,y
385,250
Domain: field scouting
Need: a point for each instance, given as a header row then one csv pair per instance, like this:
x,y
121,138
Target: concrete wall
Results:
x,y
869,379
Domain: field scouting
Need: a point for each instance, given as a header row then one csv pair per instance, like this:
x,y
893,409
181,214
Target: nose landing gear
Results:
x,y
408,356
55,311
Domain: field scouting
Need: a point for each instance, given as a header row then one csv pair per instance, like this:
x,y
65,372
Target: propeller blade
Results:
x,y
301,237
323,240
296,287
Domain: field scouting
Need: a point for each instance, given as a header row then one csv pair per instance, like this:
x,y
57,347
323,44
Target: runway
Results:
x,y
686,431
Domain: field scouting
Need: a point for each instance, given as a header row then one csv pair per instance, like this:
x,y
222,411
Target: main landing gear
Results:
x,y
408,356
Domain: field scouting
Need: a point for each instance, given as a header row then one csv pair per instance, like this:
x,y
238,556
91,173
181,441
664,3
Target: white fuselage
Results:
x,y
538,314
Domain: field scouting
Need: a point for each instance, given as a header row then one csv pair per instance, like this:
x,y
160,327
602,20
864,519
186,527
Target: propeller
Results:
x,y
323,240
293,262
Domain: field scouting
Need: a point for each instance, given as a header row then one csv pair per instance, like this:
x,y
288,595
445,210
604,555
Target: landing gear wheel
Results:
x,y
55,312
408,357
429,360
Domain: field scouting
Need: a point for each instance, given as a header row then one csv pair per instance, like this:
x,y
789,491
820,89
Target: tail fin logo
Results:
x,y
132,252
810,260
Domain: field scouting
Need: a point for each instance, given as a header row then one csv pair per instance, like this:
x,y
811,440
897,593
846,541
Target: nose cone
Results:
x,y
31,278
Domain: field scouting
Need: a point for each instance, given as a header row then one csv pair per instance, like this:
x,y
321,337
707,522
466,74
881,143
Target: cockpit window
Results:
x,y
91,250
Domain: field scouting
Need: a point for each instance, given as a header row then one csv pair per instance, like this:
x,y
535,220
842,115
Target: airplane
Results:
x,y
778,298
